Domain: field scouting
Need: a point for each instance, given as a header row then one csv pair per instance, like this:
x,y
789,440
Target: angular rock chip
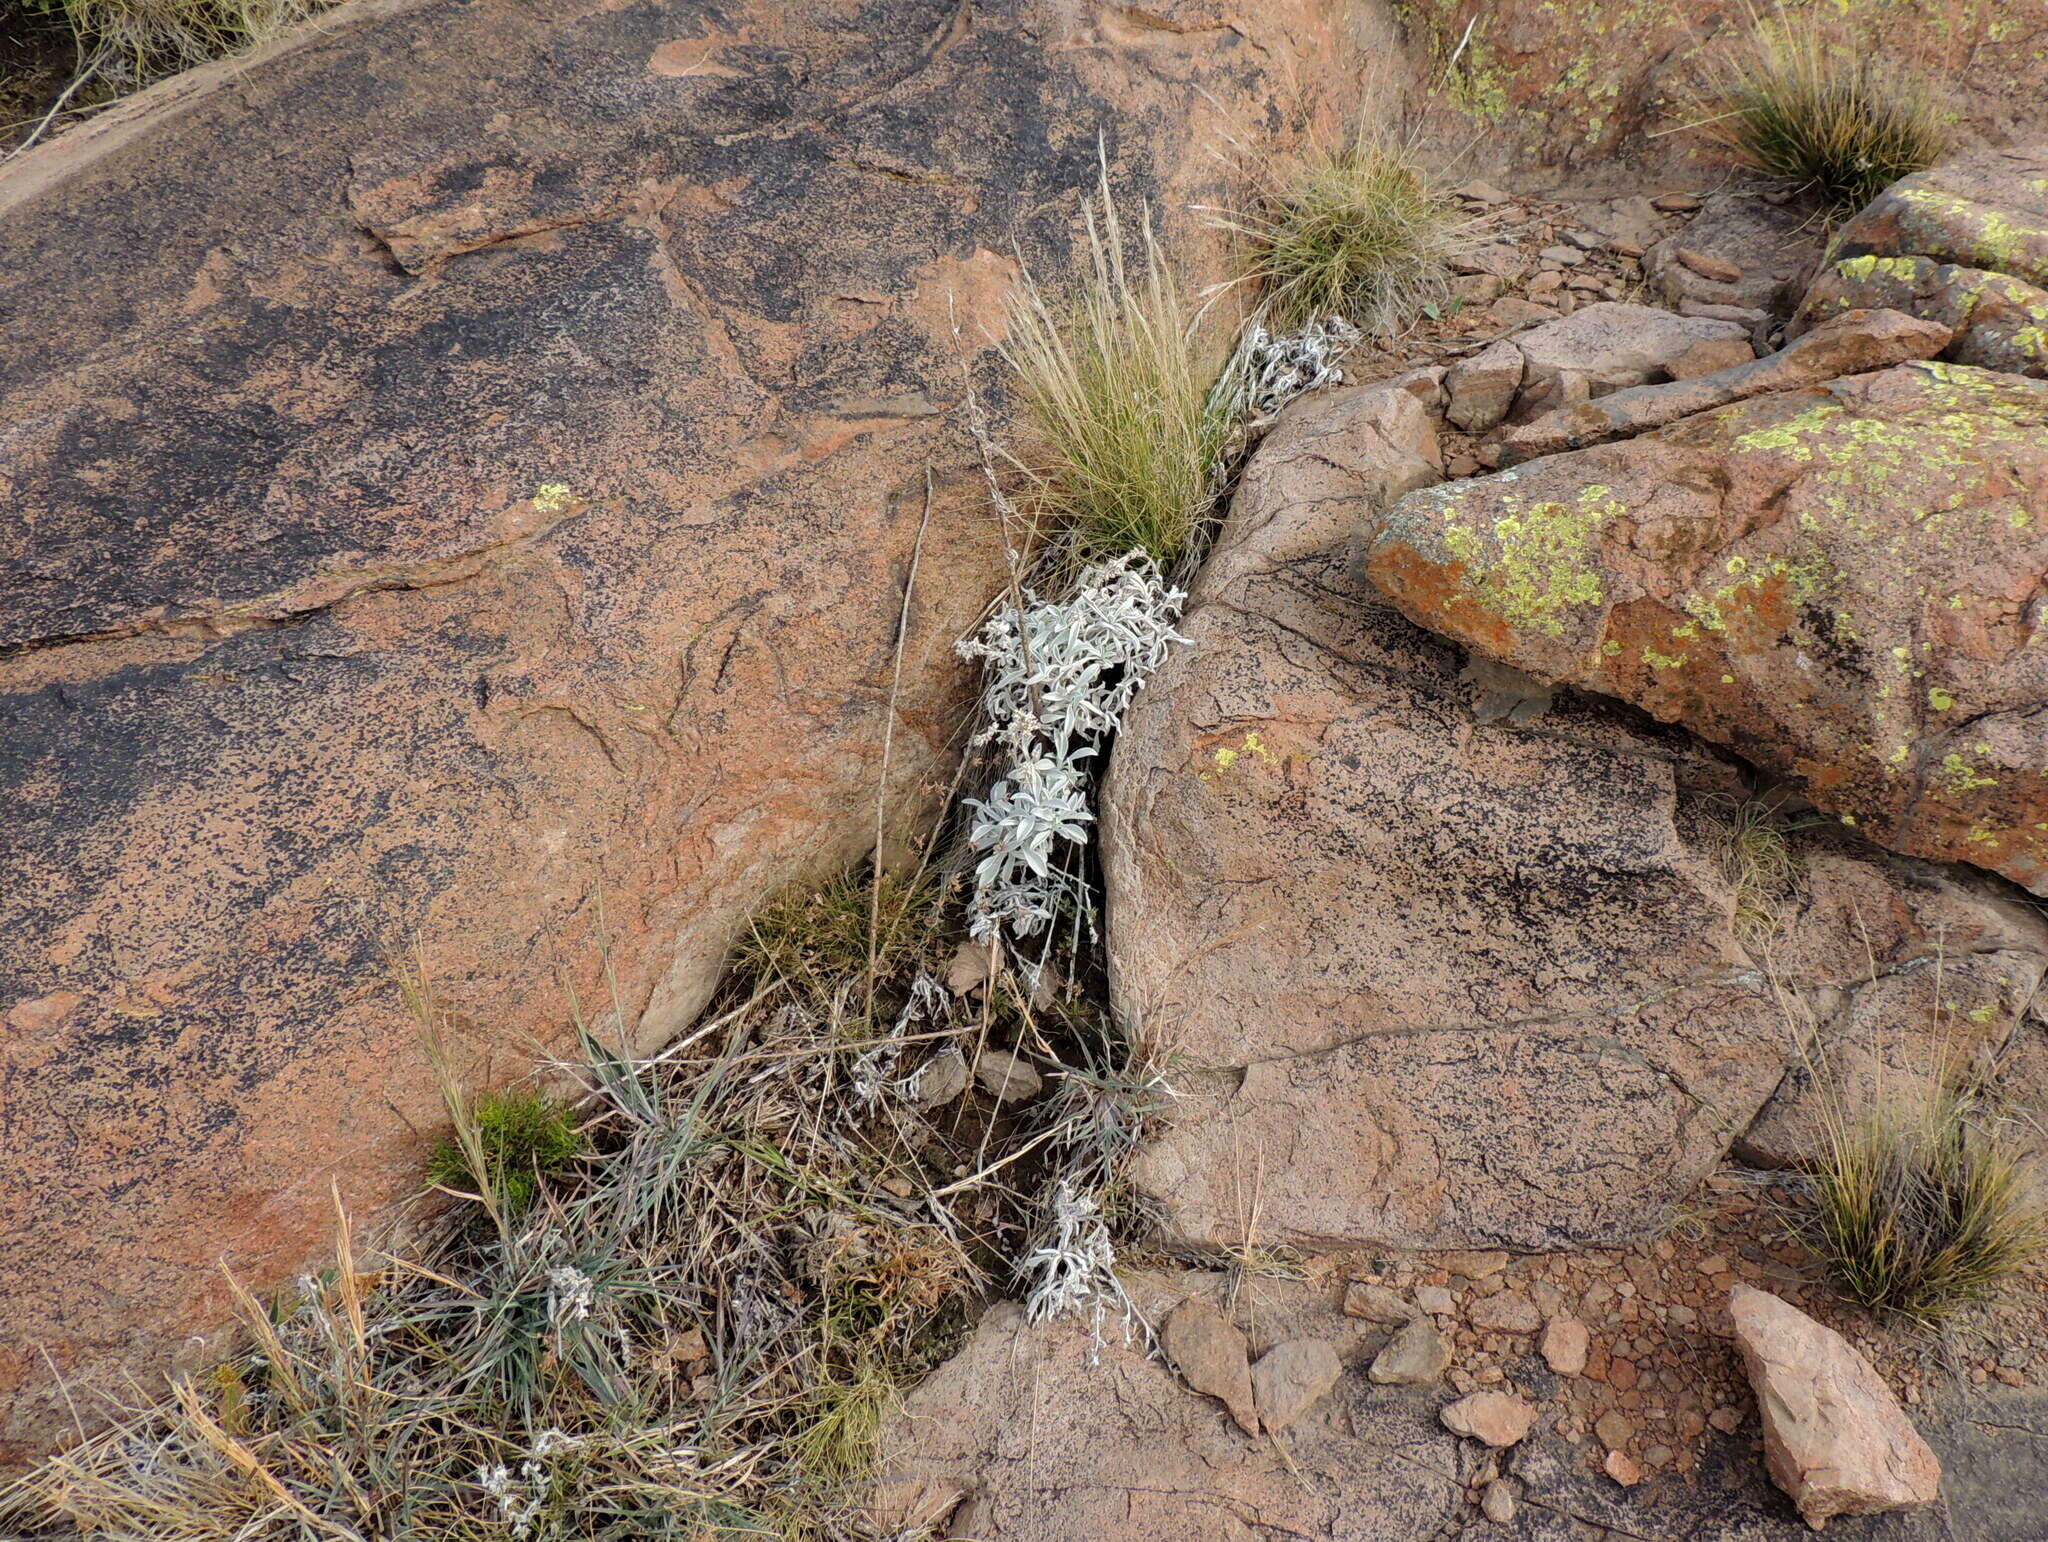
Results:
x,y
1482,387
1416,1355
1007,1077
1291,1378
1564,1346
1213,1358
1835,1438
1498,1418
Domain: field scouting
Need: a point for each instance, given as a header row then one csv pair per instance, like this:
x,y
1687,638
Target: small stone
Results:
x,y
1482,388
1622,1470
1742,315
1475,1264
1498,1504
1462,466
1614,1429
1481,193
1291,1378
938,1081
1513,311
1212,1358
1676,203
1435,1300
1585,240
1006,1077
1503,261
1627,248
1507,1312
1414,1356
1727,1419
1564,256
1621,1374
1707,266
1478,288
1498,1418
1376,1303
969,970
1545,283
900,1187
1565,1341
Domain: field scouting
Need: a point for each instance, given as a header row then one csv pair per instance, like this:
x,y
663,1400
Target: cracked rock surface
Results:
x,y
465,470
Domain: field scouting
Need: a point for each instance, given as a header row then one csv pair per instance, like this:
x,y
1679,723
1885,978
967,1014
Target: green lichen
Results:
x,y
1961,776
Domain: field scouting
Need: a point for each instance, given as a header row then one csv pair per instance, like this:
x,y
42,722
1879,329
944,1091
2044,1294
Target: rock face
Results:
x,y
464,477
1842,584
1835,1438
1052,1438
1606,347
1461,983
1448,964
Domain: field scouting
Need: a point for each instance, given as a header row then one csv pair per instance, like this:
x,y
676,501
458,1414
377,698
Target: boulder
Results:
x,y
1847,343
1060,1434
1996,321
1835,1438
1747,253
465,473
1985,209
1605,347
1840,583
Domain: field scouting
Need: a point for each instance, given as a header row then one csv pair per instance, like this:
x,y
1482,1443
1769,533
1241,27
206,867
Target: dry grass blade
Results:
x,y
1807,107
1360,232
1119,387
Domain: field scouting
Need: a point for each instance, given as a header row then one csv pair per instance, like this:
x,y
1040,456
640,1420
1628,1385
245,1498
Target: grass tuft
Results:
x,y
1121,390
817,940
1835,123
1361,232
1920,1206
519,1138
1760,868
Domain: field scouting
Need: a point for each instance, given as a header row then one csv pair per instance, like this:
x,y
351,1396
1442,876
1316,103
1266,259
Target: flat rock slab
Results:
x,y
1842,584
463,468
1996,321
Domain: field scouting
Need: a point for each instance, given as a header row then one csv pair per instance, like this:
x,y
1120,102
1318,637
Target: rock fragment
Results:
x,y
1506,1312
1500,1419
1414,1356
1006,1076
1605,347
1376,1303
1482,388
1835,1438
1497,1504
1211,1356
939,1080
1291,1378
1565,1342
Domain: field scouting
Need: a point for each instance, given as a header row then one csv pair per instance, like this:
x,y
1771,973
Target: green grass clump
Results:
x,y
516,1138
1360,232
1120,388
1921,1208
1837,124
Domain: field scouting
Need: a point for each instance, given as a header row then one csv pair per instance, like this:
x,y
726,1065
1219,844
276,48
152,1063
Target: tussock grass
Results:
x,y
1815,111
695,1329
1120,388
1920,1205
1361,232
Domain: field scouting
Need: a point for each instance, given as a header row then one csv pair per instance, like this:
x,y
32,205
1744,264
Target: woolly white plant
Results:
x,y
1059,676
1075,1268
1269,372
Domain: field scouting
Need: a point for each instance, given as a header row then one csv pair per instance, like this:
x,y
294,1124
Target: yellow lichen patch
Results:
x,y
1534,563
1939,699
1228,755
1961,776
553,497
